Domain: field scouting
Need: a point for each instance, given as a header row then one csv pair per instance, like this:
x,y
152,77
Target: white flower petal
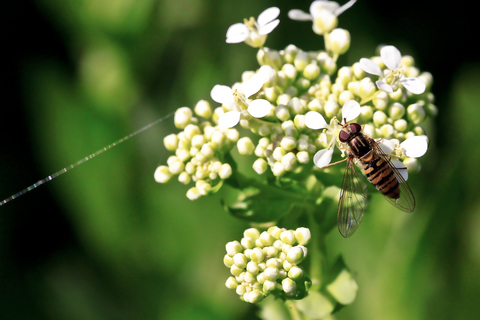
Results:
x,y
315,120
229,119
386,145
266,29
323,157
319,5
299,15
351,110
370,67
259,108
347,5
401,168
222,94
414,85
237,33
252,85
268,15
382,85
415,147
391,56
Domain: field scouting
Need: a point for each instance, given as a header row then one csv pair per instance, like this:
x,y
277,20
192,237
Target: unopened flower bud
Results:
x,y
231,283
171,142
295,273
324,22
339,41
302,235
233,247
271,273
225,171
295,255
379,118
162,174
245,146
257,255
289,286
260,166
416,113
183,116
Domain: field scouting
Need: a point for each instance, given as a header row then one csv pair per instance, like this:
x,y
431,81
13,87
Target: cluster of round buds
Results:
x,y
199,150
267,262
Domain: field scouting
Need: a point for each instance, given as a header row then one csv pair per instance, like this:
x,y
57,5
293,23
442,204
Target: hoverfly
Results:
x,y
378,169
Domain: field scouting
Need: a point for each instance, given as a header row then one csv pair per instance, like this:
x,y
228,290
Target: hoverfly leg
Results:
x,y
332,164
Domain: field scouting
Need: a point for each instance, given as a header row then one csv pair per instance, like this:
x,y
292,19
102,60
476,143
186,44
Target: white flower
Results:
x,y
254,32
413,147
391,78
323,14
314,120
237,101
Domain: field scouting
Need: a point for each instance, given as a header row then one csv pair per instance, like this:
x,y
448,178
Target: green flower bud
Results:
x,y
162,174
282,112
288,237
279,152
315,105
233,247
381,100
303,157
260,166
386,131
171,142
278,169
416,113
302,83
331,108
247,242
345,96
236,271
367,88
379,118
269,285
301,60
270,251
245,146
289,161
182,118
257,255
358,71
184,178
231,283
271,273
203,109
302,235
311,71
400,125
343,288
288,143
366,113
289,286
250,278
266,238
275,232
295,273
339,41
241,290
191,130
252,267
227,261
218,140
324,22
396,111
295,255
225,171
290,72
286,265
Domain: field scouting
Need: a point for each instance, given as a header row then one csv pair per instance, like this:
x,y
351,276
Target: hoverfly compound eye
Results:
x,y
343,136
355,127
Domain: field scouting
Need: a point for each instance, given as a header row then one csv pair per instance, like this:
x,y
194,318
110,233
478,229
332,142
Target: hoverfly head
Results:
x,y
349,130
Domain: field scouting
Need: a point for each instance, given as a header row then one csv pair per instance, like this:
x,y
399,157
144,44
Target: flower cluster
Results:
x,y
199,151
294,93
267,262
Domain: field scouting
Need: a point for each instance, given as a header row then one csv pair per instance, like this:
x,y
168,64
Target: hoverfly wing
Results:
x,y
352,202
406,202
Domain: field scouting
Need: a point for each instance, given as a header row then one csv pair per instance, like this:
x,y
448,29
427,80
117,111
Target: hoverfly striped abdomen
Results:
x,y
380,174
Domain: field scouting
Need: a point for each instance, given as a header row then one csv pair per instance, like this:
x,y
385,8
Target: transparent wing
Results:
x,y
352,202
406,202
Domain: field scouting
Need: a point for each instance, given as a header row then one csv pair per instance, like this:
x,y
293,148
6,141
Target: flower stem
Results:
x,y
292,309
316,251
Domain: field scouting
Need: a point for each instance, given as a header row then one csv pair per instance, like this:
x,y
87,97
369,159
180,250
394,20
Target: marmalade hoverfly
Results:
x,y
378,169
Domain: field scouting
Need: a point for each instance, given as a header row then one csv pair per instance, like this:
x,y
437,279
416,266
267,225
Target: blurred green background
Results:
x,y
105,241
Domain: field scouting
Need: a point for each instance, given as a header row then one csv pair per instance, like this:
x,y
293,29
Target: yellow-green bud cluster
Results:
x,y
267,262
199,150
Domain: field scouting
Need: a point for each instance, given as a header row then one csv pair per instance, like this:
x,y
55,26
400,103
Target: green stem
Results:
x,y
316,251
292,309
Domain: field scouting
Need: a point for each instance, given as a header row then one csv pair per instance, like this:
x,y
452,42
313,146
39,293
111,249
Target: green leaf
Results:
x,y
259,206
